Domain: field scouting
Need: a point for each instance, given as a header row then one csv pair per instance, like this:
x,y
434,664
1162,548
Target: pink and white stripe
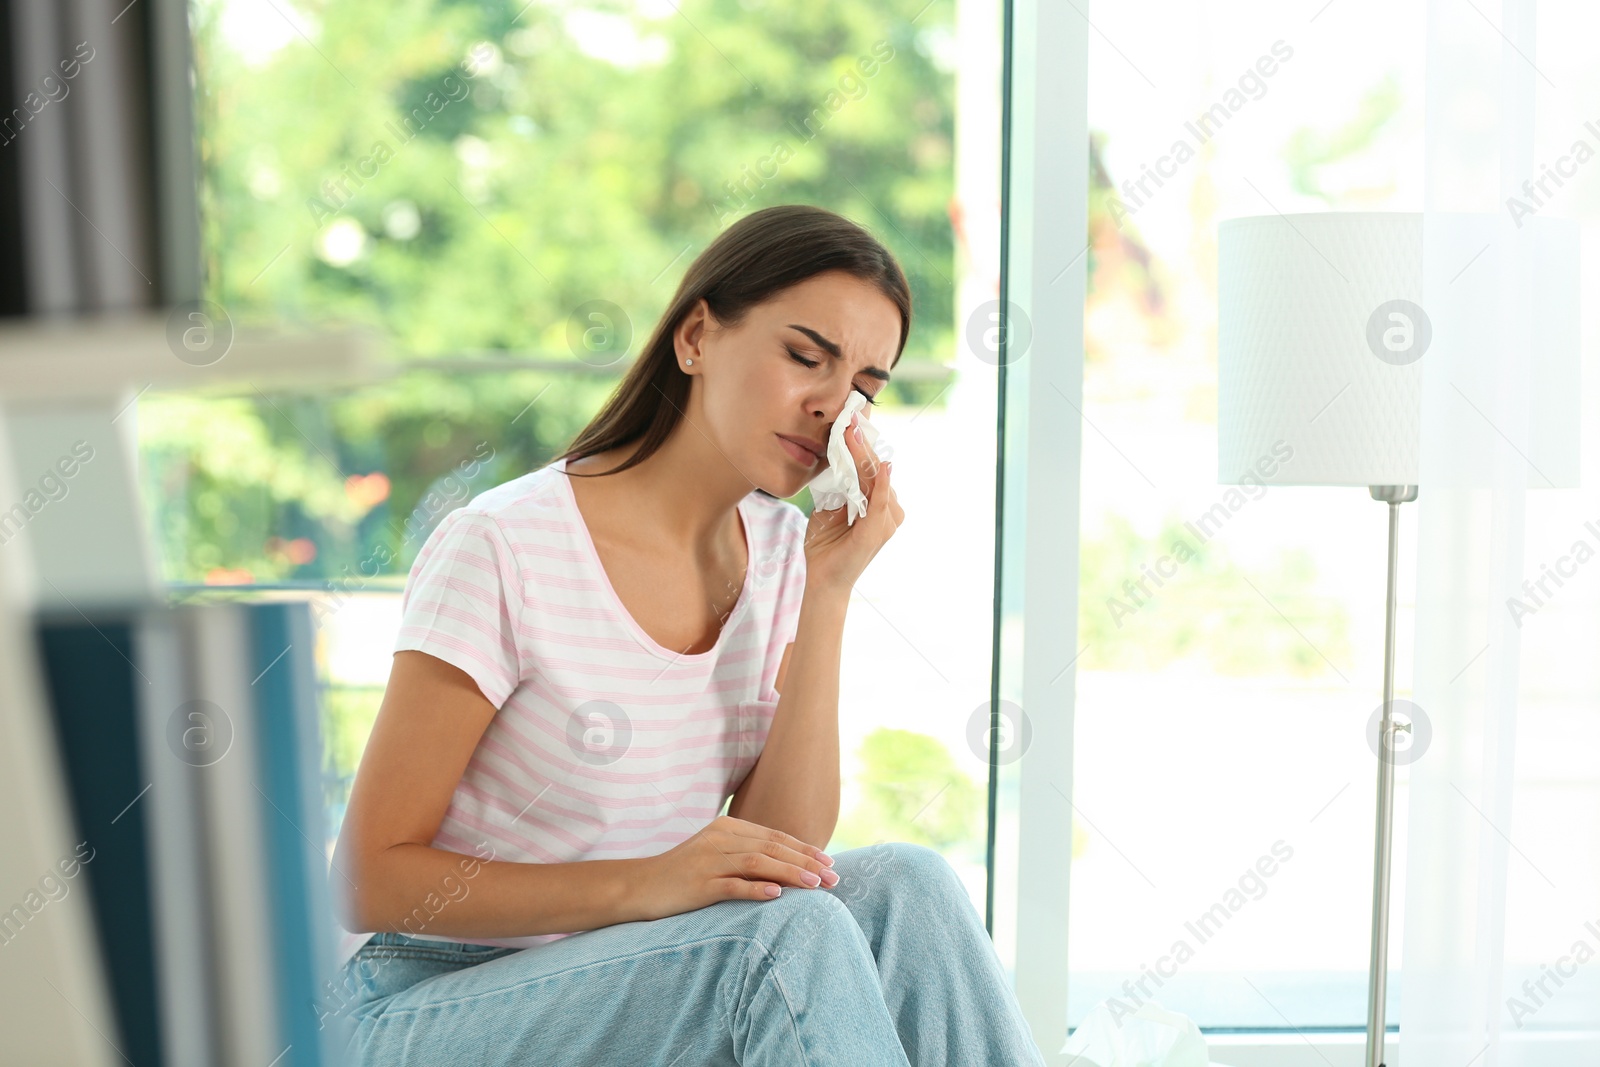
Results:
x,y
511,590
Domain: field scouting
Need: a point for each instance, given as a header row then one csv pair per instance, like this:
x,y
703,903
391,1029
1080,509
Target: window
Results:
x,y
1222,691
1231,639
484,183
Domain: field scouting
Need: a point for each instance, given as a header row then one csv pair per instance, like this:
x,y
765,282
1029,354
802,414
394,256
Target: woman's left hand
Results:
x,y
836,551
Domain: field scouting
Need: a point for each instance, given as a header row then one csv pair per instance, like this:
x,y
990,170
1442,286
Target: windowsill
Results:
x,y
1555,1048
1288,1049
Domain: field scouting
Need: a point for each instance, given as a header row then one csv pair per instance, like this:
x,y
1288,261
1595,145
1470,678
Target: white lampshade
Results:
x,y
1322,344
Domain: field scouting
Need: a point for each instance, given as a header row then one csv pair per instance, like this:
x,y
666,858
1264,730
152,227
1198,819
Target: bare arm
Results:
x,y
794,785
387,876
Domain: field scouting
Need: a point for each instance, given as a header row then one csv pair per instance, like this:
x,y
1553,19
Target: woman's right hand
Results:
x,y
729,859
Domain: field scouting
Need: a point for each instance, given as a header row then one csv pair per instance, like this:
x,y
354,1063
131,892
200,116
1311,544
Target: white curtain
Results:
x,y
1500,950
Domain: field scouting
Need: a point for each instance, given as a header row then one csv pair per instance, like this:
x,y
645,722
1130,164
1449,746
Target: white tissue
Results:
x,y
840,486
1150,1036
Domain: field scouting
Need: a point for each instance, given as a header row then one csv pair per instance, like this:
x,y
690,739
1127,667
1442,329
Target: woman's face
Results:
x,y
756,386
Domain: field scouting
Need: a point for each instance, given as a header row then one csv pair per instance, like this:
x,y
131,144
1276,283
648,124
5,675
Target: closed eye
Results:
x,y
803,361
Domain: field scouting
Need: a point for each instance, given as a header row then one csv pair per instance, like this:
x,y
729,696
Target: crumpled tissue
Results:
x,y
1150,1036
839,486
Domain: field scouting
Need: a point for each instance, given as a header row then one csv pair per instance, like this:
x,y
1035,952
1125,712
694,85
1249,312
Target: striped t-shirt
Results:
x,y
605,745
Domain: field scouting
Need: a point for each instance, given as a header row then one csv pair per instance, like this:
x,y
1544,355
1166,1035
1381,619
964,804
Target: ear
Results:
x,y
688,339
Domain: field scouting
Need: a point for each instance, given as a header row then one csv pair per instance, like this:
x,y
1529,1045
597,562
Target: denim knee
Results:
x,y
800,922
799,911
899,866
921,863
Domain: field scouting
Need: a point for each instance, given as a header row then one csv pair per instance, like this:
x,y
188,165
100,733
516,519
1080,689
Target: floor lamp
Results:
x,y
1321,342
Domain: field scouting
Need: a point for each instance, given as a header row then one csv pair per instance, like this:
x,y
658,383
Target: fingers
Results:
x,y
739,889
857,446
811,870
746,828
875,483
780,857
758,866
866,457
880,477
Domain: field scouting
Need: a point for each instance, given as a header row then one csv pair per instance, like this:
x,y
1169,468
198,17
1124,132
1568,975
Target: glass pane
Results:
x,y
1233,636
479,182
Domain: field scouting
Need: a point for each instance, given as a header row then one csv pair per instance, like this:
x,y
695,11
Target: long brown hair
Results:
x,y
763,253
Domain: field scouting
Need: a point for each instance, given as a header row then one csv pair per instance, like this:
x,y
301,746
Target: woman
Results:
x,y
593,658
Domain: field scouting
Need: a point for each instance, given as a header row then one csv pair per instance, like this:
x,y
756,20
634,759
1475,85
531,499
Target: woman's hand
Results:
x,y
730,859
837,552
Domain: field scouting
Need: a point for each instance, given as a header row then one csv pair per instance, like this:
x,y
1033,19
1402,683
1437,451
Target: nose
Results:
x,y
837,410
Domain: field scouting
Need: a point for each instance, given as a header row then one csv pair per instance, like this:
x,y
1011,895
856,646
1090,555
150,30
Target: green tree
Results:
x,y
912,790
561,176
1131,618
554,156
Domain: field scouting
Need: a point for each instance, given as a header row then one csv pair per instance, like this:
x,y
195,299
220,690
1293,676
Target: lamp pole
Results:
x,y
1378,975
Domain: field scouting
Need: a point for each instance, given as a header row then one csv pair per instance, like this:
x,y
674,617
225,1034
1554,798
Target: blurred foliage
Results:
x,y
912,790
554,155
1309,151
1206,611
335,488
348,714
1120,265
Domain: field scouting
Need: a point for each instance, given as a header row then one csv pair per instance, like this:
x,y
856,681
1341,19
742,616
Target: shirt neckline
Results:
x,y
587,541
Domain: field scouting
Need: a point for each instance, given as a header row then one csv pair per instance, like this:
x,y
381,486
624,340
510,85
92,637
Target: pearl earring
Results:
x,y
688,363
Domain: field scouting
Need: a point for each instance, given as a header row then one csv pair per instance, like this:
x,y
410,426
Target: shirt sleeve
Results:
x,y
463,600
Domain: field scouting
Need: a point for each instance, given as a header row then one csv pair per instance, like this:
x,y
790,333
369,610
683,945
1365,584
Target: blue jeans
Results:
x,y
889,968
